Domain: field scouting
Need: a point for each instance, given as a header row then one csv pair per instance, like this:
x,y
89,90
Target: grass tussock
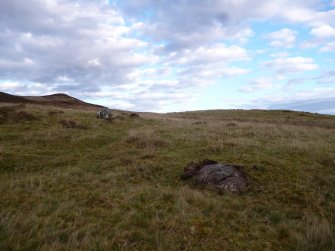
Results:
x,y
318,235
14,113
146,138
71,124
116,186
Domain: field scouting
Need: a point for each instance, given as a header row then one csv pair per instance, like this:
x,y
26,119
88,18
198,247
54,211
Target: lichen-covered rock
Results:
x,y
224,177
104,114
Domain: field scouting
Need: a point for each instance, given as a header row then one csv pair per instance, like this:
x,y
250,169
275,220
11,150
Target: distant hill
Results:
x,y
59,100
8,98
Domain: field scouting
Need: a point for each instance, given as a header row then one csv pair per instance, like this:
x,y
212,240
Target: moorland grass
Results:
x,y
115,185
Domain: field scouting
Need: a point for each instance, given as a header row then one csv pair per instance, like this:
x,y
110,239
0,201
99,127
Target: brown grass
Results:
x,y
14,113
71,125
146,138
116,186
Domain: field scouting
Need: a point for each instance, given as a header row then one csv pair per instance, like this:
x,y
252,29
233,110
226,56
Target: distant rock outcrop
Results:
x,y
224,177
104,114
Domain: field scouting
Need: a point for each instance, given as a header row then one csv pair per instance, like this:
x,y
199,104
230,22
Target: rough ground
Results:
x,y
116,186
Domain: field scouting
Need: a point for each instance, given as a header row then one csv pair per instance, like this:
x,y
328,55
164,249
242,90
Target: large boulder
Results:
x,y
104,114
223,177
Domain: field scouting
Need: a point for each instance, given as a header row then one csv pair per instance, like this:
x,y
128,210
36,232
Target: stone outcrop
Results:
x,y
104,114
223,177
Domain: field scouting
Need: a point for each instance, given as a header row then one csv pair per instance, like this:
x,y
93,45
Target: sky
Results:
x,y
172,55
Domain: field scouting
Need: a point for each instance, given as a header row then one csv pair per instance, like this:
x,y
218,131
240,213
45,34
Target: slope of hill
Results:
x,y
58,100
8,98
106,185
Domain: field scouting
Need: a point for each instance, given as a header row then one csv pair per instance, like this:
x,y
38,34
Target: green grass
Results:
x,y
115,186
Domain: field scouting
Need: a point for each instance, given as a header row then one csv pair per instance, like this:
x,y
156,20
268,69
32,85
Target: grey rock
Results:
x,y
104,114
223,177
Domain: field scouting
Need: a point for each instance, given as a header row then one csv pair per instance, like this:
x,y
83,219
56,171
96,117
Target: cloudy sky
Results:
x,y
172,55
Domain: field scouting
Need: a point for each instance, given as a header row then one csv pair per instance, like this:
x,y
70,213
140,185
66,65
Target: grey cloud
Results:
x,y
75,88
320,100
326,78
291,64
47,17
159,99
180,24
259,84
44,41
205,65
166,89
84,47
188,23
311,105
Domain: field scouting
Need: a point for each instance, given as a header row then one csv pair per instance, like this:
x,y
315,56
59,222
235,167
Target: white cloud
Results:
x,y
86,41
89,48
218,53
180,19
205,65
327,77
9,86
323,31
292,64
21,88
280,54
312,100
329,47
259,84
283,38
208,74
242,35
94,62
297,14
307,44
